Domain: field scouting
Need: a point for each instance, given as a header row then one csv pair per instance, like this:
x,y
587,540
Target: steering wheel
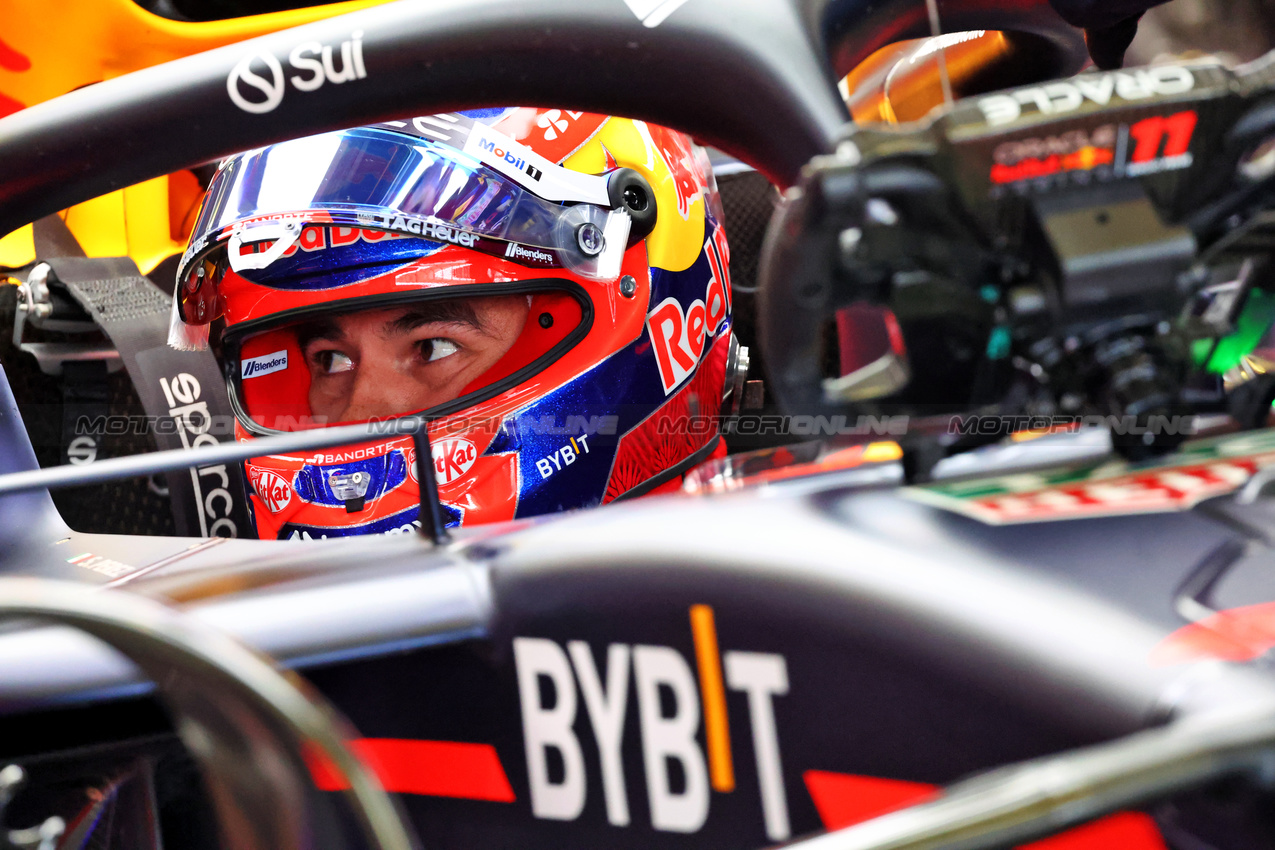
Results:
x,y
246,724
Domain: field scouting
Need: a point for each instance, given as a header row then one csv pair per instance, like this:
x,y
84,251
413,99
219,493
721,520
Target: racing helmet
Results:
x,y
548,288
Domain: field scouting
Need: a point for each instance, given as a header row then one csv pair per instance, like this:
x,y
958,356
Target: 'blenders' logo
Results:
x,y
518,252
255,367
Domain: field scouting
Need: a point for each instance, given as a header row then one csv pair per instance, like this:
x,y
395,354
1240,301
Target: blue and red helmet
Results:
x,y
550,288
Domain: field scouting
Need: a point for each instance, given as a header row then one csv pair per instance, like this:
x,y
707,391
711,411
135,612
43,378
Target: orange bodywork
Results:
x,y
901,81
47,50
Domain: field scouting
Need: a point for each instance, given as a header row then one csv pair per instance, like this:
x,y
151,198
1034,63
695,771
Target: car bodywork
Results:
x,y
725,670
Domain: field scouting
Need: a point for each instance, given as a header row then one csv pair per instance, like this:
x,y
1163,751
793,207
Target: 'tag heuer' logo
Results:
x,y
678,337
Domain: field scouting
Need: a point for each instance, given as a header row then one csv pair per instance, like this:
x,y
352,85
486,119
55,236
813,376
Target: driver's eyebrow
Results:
x,y
455,312
318,329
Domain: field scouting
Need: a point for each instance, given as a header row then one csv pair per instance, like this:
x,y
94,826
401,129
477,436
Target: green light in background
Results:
x,y
1255,318
998,343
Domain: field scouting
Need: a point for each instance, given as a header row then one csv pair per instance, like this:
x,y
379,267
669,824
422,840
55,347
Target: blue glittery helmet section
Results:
x,y
407,521
507,439
489,116
333,268
559,470
387,472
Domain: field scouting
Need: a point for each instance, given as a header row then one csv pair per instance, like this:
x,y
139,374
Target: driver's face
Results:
x,y
385,363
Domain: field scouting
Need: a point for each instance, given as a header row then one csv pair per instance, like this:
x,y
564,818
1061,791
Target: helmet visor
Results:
x,y
369,177
399,356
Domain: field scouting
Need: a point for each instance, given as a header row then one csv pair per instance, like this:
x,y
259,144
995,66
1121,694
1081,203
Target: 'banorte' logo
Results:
x,y
316,63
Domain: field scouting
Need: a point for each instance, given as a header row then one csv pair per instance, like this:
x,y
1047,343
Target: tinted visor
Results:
x,y
258,202
399,356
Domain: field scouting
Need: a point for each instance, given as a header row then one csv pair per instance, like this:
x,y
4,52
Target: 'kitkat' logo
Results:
x,y
271,487
452,459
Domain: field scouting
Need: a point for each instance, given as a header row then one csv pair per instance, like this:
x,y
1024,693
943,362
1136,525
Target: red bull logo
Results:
x,y
688,180
677,336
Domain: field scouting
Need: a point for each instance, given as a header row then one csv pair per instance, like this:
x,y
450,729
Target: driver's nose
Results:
x,y
380,391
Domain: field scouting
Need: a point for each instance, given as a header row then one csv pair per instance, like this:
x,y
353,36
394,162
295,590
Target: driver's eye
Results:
x,y
332,362
437,348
